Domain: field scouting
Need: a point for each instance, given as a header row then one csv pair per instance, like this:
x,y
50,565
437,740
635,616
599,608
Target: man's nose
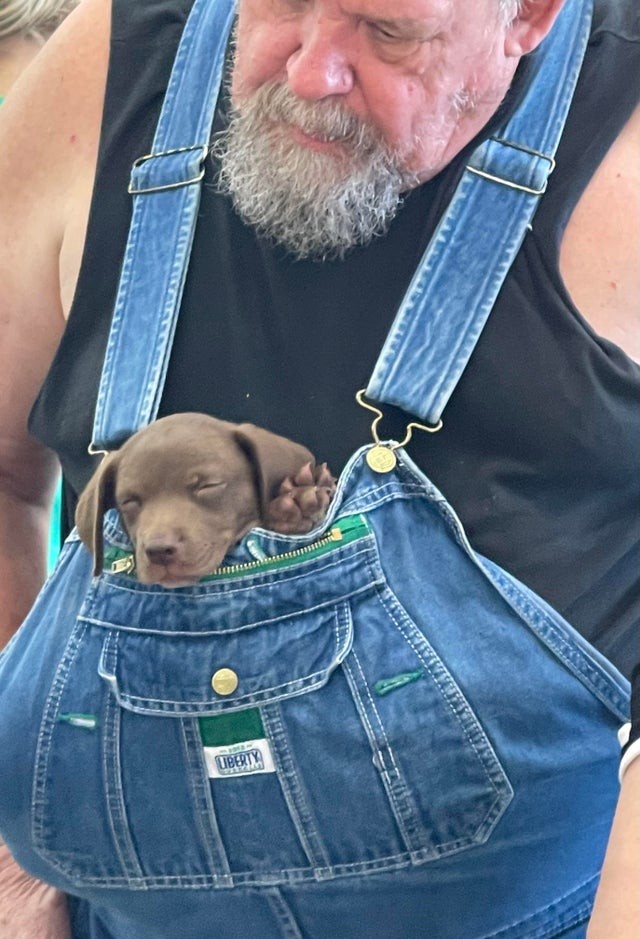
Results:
x,y
321,66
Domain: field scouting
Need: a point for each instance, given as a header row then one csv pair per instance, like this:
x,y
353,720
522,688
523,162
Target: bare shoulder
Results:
x,y
49,129
600,252
49,133
50,122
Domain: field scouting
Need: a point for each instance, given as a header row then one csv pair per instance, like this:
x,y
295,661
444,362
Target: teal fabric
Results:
x,y
55,529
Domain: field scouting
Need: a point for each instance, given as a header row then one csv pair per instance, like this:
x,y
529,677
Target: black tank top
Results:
x,y
540,449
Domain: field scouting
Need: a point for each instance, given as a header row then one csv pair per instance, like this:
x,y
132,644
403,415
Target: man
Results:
x,y
407,92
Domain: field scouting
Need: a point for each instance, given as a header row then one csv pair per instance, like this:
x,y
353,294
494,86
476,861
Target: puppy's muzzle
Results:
x,y
162,549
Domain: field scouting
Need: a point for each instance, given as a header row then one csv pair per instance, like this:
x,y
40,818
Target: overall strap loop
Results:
x,y
456,284
165,185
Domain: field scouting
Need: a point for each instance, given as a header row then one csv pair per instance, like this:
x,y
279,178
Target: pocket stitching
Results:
x,y
45,736
464,715
388,785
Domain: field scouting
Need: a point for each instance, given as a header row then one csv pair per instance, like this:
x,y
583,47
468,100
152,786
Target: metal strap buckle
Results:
x,y
92,450
382,457
186,182
508,182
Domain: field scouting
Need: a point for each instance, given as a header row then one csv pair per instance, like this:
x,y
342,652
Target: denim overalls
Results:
x,y
369,732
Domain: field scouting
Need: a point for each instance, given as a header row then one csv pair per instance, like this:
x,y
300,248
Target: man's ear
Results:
x,y
531,25
97,496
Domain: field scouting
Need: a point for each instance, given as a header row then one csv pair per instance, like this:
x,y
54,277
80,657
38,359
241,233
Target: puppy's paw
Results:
x,y
302,501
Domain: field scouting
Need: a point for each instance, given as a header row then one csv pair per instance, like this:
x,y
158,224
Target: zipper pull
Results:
x,y
124,565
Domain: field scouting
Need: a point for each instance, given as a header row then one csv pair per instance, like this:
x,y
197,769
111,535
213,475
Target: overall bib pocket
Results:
x,y
228,734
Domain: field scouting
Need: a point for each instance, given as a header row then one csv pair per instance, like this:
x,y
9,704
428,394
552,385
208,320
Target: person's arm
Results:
x,y
616,912
49,130
600,250
617,908
29,908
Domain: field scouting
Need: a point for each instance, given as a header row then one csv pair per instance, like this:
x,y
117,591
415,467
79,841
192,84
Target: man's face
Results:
x,y
340,106
426,74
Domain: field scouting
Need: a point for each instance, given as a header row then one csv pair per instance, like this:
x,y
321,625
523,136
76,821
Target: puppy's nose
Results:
x,y
161,550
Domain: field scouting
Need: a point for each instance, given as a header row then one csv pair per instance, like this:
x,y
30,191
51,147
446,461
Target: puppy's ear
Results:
x,y
96,498
272,457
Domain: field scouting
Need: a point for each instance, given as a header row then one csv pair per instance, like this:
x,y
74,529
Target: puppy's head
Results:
x,y
187,487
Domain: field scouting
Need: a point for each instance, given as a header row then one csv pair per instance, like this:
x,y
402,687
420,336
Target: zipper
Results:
x,y
347,529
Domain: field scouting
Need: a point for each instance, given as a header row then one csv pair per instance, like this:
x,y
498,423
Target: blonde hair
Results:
x,y
33,16
509,9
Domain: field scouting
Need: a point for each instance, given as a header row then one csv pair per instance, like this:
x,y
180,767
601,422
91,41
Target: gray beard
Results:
x,y
316,205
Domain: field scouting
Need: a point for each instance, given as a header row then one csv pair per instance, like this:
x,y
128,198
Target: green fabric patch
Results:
x,y
385,685
223,730
88,721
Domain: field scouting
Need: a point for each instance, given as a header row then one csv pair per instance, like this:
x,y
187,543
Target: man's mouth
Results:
x,y
322,142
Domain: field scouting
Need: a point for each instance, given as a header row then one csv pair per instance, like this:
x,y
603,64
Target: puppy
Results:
x,y
189,486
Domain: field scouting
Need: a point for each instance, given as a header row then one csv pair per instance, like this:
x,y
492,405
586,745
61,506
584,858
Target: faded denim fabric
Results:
x,y
470,798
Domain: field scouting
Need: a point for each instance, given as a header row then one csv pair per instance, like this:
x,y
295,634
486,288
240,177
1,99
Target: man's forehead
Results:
x,y
396,11
410,10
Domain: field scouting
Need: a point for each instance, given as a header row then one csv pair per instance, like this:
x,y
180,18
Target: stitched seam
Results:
x,y
504,930
283,913
114,797
201,793
333,601
388,784
45,734
292,788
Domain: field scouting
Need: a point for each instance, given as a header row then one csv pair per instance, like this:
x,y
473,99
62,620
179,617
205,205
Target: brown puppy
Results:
x,y
189,486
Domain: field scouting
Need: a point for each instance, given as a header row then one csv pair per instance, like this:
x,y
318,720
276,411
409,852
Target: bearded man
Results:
x,y
342,132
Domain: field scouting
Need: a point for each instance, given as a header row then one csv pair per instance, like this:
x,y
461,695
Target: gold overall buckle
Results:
x,y
382,457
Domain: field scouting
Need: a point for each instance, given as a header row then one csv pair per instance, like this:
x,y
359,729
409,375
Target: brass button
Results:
x,y
381,459
224,681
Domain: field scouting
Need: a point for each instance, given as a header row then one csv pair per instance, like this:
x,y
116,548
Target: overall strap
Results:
x,y
456,284
165,185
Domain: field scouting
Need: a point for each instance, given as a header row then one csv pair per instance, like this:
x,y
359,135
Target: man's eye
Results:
x,y
397,44
386,35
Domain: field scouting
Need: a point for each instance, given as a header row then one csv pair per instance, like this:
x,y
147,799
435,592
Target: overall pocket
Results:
x,y
122,791
234,732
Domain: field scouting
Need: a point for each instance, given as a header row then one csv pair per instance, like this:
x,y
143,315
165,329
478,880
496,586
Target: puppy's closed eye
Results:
x,y
129,502
208,489
129,506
